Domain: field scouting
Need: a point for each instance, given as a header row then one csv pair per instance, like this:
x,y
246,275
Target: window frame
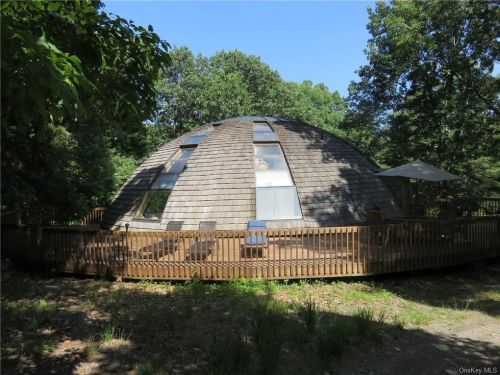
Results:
x,y
142,207
177,157
296,202
264,133
283,177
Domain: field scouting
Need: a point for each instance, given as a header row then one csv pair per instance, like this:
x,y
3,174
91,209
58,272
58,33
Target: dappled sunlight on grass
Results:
x,y
242,326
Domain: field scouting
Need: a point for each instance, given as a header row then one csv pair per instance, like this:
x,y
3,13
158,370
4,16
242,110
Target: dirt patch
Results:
x,y
433,323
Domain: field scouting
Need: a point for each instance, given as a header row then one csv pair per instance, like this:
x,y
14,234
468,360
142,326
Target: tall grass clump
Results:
x,y
110,333
363,319
268,317
149,367
229,354
309,314
334,339
399,321
195,288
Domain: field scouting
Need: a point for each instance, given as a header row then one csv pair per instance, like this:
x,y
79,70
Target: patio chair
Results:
x,y
164,246
255,245
204,244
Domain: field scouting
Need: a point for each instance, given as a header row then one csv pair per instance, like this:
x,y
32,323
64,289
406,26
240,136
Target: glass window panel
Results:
x,y
270,164
262,128
164,181
277,203
265,137
265,204
177,166
186,153
273,178
195,139
155,204
263,150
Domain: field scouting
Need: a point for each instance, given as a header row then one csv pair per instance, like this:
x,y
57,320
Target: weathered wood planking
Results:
x,y
290,253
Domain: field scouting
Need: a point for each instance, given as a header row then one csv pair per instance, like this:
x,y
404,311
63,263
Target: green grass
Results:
x,y
399,321
260,327
146,283
13,306
229,354
417,315
92,348
365,293
268,316
43,306
37,345
363,318
252,286
335,338
150,367
111,333
310,315
116,296
92,292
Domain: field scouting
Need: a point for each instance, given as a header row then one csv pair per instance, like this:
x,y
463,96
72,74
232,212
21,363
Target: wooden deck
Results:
x,y
289,253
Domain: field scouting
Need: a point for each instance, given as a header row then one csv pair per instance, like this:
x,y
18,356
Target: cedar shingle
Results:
x,y
335,182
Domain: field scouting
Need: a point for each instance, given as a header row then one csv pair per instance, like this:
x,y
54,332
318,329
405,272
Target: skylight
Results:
x,y
197,138
262,132
156,198
276,195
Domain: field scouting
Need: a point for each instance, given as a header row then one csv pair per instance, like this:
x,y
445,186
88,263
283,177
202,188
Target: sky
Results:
x,y
319,41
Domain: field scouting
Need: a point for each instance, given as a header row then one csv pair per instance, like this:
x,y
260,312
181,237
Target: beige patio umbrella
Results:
x,y
419,170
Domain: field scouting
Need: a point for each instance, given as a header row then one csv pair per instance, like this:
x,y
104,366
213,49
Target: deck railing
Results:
x,y
40,217
282,254
466,207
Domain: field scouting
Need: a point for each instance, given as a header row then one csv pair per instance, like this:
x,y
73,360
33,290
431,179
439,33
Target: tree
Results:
x,y
77,86
428,91
199,90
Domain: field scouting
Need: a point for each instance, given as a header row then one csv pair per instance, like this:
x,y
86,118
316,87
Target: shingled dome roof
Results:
x,y
287,173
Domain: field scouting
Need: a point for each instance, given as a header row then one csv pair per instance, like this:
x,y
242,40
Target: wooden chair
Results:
x,y
165,246
204,244
255,245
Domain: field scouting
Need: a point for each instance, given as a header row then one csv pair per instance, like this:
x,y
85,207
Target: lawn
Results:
x,y
434,322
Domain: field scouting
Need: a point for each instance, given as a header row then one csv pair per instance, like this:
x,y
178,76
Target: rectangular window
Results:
x,y
270,166
164,181
262,132
276,195
194,139
269,163
275,178
277,203
197,138
177,166
268,150
186,153
155,200
153,205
